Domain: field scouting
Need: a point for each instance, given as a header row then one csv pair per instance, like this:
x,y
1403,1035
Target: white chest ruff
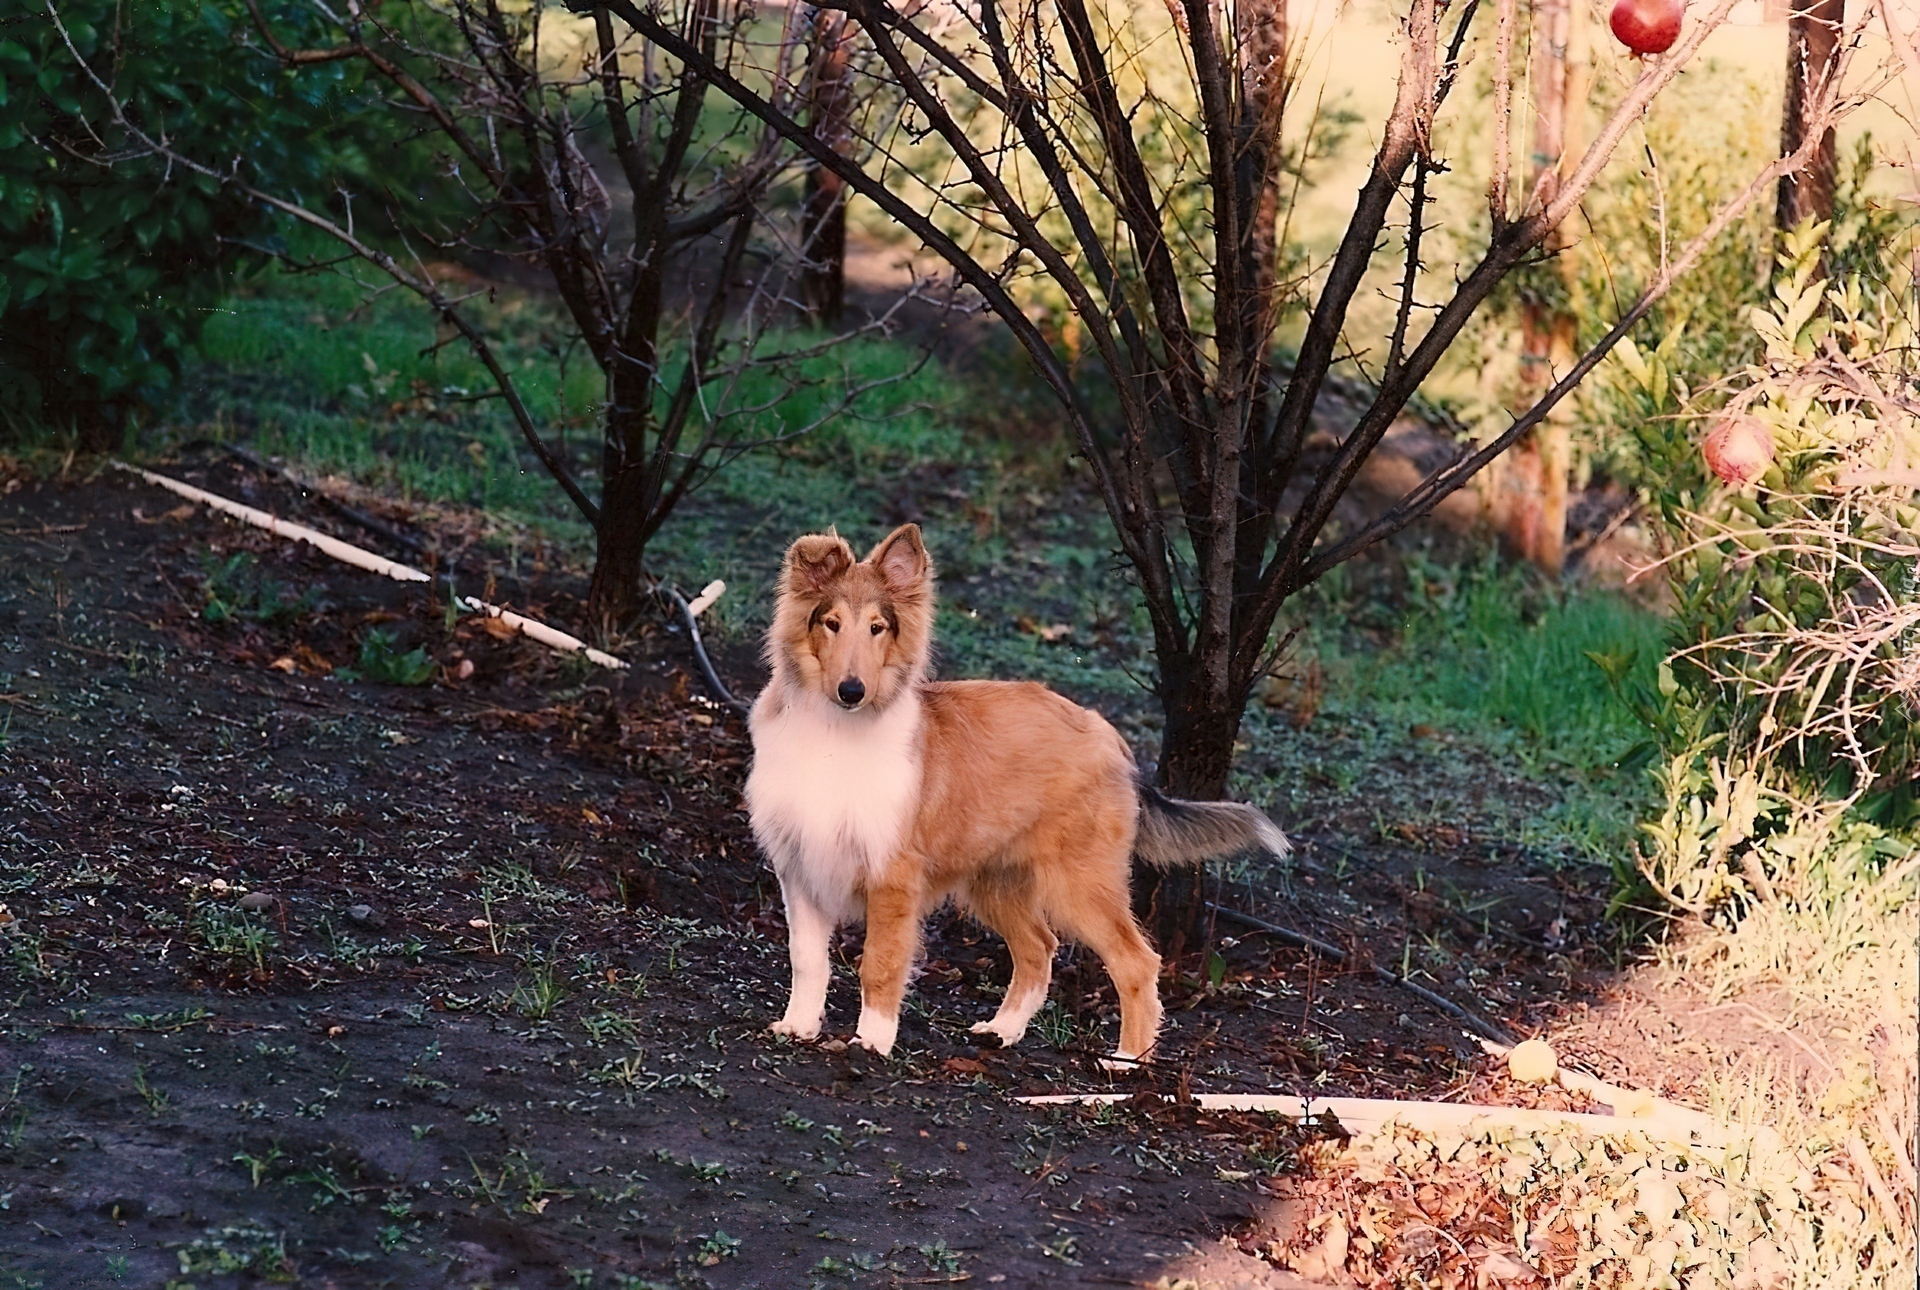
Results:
x,y
833,794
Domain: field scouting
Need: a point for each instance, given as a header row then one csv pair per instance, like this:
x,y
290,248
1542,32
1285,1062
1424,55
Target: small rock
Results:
x,y
257,901
361,914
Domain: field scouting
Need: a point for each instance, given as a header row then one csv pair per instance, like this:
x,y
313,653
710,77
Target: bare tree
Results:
x,y
1040,142
543,116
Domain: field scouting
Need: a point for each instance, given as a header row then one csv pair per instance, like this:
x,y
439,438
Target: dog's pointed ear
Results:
x,y
902,559
816,560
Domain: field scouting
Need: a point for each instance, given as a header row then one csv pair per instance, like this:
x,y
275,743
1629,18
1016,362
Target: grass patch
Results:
x,y
306,366
1494,650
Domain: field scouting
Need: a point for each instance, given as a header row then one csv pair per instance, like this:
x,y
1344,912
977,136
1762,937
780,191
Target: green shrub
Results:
x,y
107,271
1790,713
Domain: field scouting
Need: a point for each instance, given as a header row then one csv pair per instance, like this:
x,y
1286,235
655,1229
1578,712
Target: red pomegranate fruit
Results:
x,y
1647,26
1738,450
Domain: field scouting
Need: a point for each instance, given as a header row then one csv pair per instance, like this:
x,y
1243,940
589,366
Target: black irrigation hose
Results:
x,y
1480,1025
714,682
350,513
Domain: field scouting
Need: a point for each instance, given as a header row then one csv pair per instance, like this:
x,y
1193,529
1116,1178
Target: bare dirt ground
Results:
x,y
338,983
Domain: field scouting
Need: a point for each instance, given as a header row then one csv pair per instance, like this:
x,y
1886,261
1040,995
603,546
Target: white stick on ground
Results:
x,y
345,552
361,558
1363,1117
546,635
704,601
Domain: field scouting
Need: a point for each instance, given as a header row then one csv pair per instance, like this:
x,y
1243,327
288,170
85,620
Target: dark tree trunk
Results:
x,y
1196,753
823,280
1813,49
613,597
1204,691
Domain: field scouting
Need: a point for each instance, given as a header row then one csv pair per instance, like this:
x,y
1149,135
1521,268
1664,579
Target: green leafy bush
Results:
x,y
1789,715
107,271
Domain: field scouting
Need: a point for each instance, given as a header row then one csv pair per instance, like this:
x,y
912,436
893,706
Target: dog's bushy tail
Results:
x,y
1176,832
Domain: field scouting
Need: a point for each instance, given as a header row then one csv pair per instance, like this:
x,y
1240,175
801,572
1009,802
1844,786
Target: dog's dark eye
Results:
x,y
877,628
831,624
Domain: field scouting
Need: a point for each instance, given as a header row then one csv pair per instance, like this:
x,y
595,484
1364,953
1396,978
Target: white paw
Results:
x,y
1007,1035
1120,1063
806,1032
876,1031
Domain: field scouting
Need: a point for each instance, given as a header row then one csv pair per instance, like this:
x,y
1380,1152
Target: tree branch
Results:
x,y
965,267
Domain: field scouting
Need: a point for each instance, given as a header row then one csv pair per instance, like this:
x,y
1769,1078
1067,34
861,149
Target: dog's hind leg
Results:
x,y
894,914
1032,944
809,933
1103,923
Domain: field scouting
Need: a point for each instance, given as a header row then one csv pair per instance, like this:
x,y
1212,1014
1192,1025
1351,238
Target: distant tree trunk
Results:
x,y
1534,476
823,277
1813,51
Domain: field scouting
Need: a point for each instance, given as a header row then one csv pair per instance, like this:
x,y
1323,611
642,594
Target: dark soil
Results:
x,y
501,1021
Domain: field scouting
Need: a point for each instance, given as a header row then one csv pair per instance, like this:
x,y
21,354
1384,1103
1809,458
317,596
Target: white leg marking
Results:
x,y
809,932
1010,1022
877,1030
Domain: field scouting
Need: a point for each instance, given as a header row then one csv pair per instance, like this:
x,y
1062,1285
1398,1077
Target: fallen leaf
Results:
x,y
284,663
312,661
1498,1265
965,1066
1323,1261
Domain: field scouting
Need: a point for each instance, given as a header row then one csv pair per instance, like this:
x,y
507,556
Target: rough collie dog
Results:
x,y
878,794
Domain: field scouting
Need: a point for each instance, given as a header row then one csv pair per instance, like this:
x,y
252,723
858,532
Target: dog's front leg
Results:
x,y
809,933
893,942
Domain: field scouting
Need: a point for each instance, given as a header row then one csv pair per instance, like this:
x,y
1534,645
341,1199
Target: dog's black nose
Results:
x,y
852,691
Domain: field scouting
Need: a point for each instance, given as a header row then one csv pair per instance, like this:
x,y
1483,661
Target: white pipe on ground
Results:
x,y
361,558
